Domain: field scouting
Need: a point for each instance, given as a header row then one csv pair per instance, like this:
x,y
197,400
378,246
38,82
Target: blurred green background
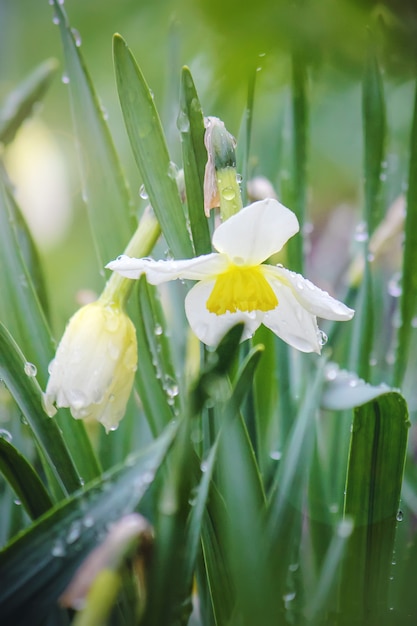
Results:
x,y
226,44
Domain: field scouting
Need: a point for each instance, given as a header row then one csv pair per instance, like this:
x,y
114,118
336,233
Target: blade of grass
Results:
x,y
24,480
373,113
27,249
19,105
409,277
154,372
20,309
108,201
149,148
22,314
38,565
190,123
245,135
373,488
299,172
285,508
28,395
373,106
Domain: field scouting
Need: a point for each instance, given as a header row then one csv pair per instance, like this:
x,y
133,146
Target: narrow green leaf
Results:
x,y
299,173
245,135
373,114
373,104
27,247
213,570
154,373
109,205
20,309
195,520
265,389
38,565
319,599
190,123
285,501
409,277
28,395
373,488
149,148
24,480
18,106
22,314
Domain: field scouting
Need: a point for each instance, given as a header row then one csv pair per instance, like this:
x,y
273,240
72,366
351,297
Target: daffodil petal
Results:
x,y
158,272
209,327
315,300
291,322
256,232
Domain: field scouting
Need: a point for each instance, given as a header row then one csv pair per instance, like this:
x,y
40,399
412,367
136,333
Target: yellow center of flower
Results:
x,y
241,289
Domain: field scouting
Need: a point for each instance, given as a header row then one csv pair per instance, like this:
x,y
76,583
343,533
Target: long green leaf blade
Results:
x,y
373,488
28,395
105,191
38,565
19,104
24,480
409,277
149,148
191,126
24,317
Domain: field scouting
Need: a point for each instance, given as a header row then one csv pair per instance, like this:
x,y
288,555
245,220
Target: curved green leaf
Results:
x,y
38,565
373,488
191,126
109,205
28,395
149,148
19,104
24,480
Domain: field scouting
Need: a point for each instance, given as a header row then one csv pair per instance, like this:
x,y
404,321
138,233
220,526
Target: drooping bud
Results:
x,y
221,187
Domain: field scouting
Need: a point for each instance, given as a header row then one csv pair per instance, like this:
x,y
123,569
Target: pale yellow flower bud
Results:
x,y
95,365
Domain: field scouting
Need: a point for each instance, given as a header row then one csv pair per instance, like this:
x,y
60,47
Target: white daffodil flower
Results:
x,y
94,366
235,285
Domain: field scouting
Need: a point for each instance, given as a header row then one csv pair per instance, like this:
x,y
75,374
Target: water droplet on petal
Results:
x,y
30,369
400,516
322,337
65,79
158,330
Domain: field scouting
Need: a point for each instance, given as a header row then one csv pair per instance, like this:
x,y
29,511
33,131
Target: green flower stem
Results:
x,y
221,150
117,289
229,192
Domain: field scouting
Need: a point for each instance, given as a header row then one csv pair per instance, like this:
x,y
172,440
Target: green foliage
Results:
x,y
271,479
